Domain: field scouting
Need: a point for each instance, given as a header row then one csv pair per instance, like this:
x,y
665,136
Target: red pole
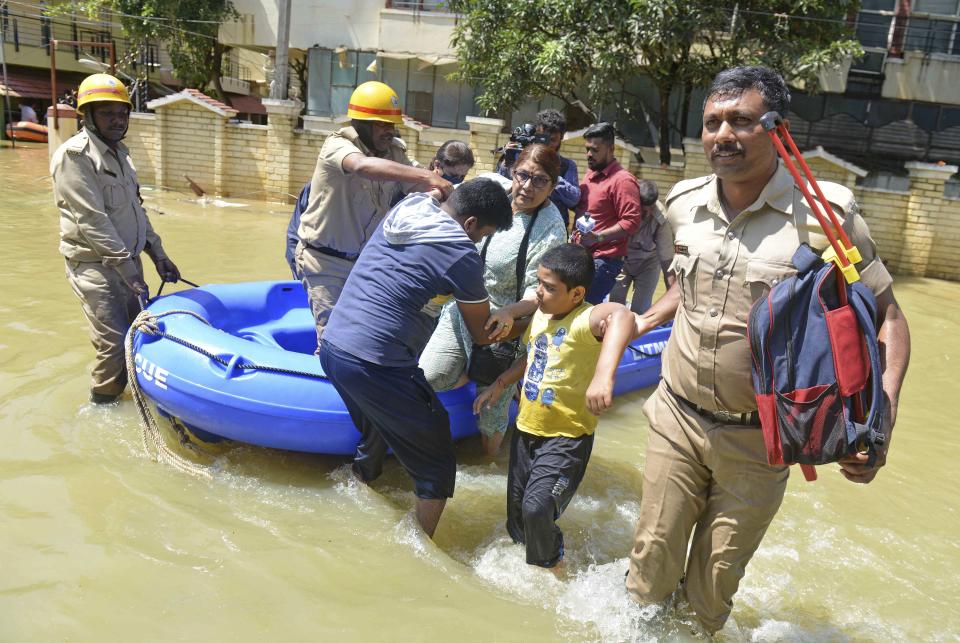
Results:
x,y
858,410
787,161
816,186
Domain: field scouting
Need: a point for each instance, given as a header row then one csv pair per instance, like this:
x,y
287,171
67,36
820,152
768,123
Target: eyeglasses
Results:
x,y
539,181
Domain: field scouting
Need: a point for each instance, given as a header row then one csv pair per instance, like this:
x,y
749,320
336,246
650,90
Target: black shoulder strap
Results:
x,y
483,250
521,254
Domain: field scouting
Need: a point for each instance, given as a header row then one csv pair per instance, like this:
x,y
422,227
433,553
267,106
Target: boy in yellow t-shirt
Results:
x,y
573,349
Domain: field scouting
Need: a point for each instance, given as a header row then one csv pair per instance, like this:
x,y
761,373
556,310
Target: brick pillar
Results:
x,y
486,134
219,156
281,121
924,208
695,161
416,150
162,167
67,127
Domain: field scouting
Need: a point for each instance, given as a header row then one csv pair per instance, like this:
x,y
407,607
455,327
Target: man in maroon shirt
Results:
x,y
612,197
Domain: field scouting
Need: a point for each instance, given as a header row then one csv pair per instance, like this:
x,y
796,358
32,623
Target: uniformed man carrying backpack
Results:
x,y
708,492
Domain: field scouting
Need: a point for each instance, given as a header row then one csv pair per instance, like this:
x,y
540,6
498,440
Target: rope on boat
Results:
x,y
146,322
154,329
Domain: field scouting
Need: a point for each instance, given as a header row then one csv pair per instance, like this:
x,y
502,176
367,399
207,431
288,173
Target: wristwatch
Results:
x,y
599,237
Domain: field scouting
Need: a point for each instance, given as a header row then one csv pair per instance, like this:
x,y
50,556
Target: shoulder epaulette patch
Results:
x,y
77,143
688,186
838,195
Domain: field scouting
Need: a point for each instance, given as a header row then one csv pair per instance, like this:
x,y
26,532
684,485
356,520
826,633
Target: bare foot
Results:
x,y
559,570
428,513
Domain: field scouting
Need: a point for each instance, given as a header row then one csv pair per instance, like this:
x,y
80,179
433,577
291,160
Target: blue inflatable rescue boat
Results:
x,y
240,365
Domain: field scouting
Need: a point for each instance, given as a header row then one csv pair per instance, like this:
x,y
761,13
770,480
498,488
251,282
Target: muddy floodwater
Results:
x,y
100,543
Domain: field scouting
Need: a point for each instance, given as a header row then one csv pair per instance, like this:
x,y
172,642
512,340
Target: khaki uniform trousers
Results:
x,y
644,275
110,306
709,479
323,279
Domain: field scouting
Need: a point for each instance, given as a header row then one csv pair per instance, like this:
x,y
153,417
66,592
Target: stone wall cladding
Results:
x,y
141,140
245,166
187,149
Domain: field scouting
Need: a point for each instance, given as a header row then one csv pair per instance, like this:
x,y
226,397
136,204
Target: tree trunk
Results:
x,y
665,89
685,114
216,70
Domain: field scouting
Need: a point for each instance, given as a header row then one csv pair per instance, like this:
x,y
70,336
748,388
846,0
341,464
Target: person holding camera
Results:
x,y
610,208
552,124
523,136
510,276
549,130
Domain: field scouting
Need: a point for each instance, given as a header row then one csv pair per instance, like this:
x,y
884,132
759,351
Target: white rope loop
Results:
x,y
146,322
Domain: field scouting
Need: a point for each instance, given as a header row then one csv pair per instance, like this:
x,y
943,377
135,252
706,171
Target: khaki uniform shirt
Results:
x,y
98,194
723,266
345,209
653,239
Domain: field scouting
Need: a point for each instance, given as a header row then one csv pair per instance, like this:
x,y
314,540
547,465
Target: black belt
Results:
x,y
330,252
751,418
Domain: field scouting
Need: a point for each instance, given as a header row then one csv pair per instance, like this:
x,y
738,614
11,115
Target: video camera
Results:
x,y
524,135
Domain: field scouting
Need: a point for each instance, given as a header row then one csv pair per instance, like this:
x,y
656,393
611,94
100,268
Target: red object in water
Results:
x,y
27,131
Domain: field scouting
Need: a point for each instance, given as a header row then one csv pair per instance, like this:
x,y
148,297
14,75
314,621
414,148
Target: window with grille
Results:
x,y
420,106
931,27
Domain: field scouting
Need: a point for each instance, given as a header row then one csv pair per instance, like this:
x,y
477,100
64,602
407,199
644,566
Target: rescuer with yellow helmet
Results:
x,y
361,171
104,228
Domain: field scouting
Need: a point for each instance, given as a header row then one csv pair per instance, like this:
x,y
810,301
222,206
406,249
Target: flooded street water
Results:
x,y
99,542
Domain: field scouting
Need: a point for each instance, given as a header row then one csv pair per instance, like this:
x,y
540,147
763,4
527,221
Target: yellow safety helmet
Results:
x,y
375,101
101,87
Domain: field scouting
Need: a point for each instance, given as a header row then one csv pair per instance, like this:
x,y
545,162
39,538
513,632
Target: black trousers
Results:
x,y
543,478
395,407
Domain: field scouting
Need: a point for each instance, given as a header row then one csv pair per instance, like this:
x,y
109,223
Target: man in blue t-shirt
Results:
x,y
423,254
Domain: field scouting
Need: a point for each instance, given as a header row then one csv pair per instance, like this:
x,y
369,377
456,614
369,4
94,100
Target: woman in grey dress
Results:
x,y
445,359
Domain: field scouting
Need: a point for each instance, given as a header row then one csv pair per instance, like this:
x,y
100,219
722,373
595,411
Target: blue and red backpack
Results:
x,y
812,358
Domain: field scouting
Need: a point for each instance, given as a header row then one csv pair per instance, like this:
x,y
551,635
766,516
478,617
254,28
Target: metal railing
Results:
x,y
25,29
439,6
924,32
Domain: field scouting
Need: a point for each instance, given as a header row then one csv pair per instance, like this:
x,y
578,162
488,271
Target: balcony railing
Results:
x,y
923,32
439,6
27,29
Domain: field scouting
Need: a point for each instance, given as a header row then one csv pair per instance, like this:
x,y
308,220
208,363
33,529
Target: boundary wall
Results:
x,y
917,231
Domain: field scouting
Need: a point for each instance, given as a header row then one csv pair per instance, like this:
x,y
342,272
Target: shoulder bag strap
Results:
x,y
483,250
522,255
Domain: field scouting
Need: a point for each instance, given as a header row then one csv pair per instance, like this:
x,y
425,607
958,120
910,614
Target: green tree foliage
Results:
x,y
586,52
188,29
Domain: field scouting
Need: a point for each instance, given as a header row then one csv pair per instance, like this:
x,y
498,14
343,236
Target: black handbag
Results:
x,y
489,361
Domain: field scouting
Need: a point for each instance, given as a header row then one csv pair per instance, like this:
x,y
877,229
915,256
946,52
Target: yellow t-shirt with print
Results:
x,y
562,357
